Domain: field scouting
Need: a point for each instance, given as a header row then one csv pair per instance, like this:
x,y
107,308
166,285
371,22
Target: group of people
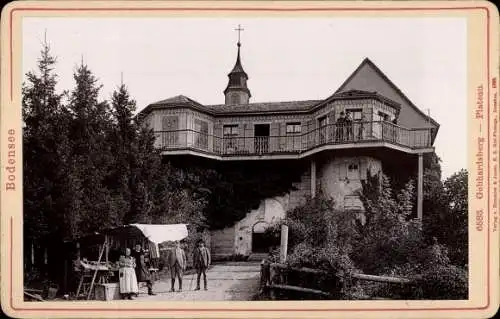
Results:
x,y
344,129
133,268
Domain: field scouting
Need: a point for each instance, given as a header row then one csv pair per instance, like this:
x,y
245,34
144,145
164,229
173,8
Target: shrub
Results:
x,y
444,282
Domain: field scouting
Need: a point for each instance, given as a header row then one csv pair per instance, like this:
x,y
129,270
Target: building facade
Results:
x,y
384,129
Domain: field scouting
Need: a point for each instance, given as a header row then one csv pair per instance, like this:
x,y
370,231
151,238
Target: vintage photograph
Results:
x,y
244,158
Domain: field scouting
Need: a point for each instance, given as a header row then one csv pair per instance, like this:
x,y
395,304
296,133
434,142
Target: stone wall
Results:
x,y
222,242
337,178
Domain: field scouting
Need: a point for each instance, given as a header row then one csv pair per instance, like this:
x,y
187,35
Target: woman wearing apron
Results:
x,y
128,280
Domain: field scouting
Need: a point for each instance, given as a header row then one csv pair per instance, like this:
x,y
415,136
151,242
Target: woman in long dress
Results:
x,y
128,280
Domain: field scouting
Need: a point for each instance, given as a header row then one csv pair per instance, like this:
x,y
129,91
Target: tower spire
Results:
x,y
237,91
239,29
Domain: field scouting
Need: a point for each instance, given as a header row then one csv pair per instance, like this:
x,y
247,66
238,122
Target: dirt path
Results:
x,y
226,281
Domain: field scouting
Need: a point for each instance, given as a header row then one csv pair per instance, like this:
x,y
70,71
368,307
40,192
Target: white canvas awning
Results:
x,y
158,233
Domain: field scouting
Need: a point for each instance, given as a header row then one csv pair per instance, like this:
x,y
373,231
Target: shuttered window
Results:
x,y
230,138
201,133
169,134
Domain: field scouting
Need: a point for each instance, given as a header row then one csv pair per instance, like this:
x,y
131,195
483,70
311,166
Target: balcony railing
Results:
x,y
332,134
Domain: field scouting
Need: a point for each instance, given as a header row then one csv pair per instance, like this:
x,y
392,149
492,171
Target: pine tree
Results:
x,y
91,156
44,142
123,142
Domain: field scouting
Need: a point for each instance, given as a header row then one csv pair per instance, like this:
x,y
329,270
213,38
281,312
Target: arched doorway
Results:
x,y
259,242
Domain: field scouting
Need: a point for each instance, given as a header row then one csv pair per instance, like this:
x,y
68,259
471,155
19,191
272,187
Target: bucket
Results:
x,y
52,292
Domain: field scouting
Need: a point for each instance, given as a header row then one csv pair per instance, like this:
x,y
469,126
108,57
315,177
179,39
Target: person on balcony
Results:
x,y
128,280
348,125
339,129
394,130
361,127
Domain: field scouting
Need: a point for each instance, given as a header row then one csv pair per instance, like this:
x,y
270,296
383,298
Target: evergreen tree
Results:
x,y
456,221
123,142
44,148
92,159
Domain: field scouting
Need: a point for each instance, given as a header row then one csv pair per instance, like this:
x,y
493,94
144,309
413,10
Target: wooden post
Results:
x,y
32,255
284,243
106,244
65,286
313,178
95,272
420,186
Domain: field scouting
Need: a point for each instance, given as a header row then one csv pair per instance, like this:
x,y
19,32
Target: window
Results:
x,y
201,133
322,121
356,114
293,128
230,133
383,116
170,133
231,130
353,171
322,129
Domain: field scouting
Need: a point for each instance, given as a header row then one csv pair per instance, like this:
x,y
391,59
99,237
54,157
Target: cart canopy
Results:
x,y
160,233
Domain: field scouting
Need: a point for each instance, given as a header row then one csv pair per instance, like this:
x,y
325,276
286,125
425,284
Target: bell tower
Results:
x,y
237,91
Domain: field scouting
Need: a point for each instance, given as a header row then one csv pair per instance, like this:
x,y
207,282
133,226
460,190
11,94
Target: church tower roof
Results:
x,y
237,91
238,68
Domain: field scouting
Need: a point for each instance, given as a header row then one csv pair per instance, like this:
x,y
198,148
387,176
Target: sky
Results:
x,y
285,58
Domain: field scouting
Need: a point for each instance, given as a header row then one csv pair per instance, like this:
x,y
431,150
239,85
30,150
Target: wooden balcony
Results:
x,y
332,136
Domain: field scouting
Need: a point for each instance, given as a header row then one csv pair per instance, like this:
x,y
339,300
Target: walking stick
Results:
x,y
191,283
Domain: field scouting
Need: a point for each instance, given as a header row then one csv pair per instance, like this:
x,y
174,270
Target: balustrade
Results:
x,y
356,132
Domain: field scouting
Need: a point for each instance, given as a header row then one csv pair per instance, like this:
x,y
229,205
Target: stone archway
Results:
x,y
259,243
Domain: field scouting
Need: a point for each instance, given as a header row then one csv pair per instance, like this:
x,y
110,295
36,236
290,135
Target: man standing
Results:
x,y
141,269
177,263
339,127
201,261
348,124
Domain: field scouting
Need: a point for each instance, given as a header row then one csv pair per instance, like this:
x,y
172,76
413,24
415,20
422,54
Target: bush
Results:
x,y
444,282
391,243
296,233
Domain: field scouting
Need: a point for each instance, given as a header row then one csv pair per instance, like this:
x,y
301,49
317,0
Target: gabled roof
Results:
x,y
368,62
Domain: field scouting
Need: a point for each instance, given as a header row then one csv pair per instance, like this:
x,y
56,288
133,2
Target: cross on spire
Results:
x,y
239,29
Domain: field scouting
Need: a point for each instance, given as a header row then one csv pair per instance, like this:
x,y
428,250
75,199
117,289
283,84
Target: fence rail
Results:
x,y
332,134
278,279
